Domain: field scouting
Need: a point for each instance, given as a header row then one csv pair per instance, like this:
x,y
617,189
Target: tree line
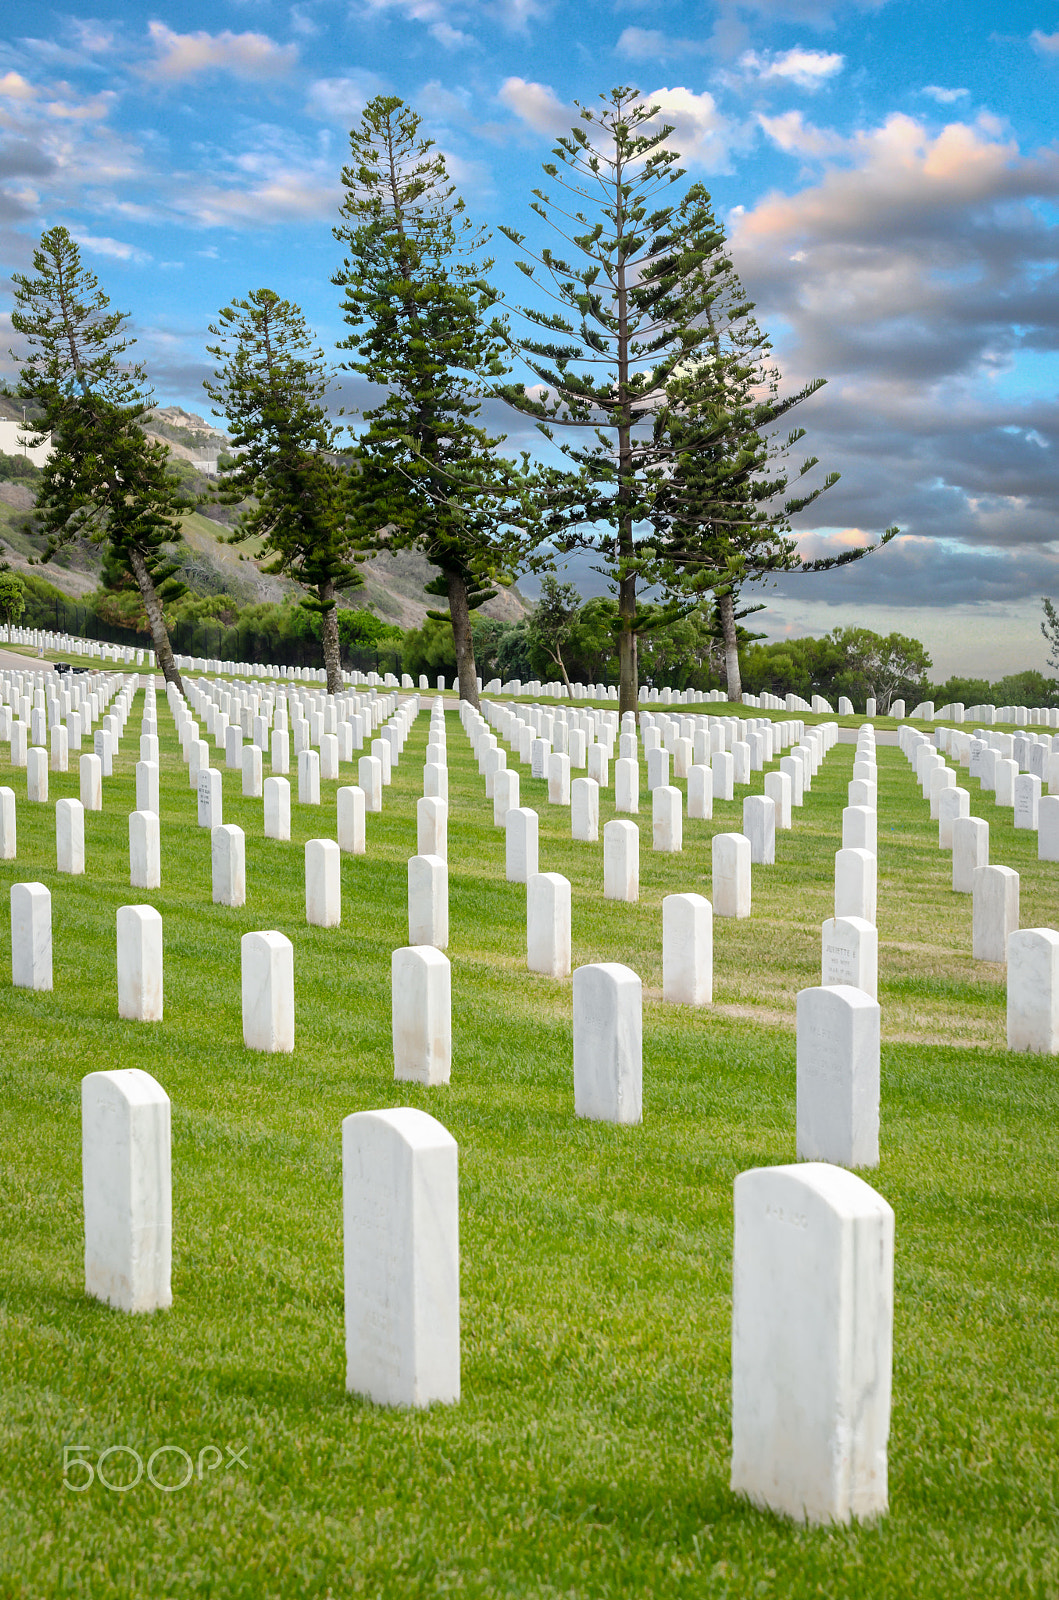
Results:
x,y
667,449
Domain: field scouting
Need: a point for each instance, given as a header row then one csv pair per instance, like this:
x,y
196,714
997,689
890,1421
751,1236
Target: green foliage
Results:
x,y
1030,688
550,627
16,469
430,649
12,597
1050,629
419,307
104,479
363,630
270,384
848,661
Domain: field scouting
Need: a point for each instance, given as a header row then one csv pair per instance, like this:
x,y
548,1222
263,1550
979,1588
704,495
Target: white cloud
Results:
x,y
341,99
245,55
14,87
451,38
302,23
537,105
796,137
701,134
116,249
944,97
806,69
1046,43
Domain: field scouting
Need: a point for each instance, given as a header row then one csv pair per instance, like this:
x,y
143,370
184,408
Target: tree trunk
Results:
x,y
726,610
561,664
628,686
153,606
332,659
460,613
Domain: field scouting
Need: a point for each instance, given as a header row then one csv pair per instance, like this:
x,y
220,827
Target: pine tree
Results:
x,y
418,302
104,480
270,385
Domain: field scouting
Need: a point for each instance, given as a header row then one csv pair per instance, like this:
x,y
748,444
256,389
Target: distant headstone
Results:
x,y
812,1343
432,827
521,830
995,912
608,1047
731,875
621,860
323,883
700,792
421,1014
369,777
687,950
759,826
952,804
145,852
584,810
970,850
70,836
139,943
127,1189
277,809
428,901
31,965
228,862
548,934
352,838
309,777
627,785
667,818
856,879
400,1212
849,954
838,1077
8,829
91,774
210,798
268,992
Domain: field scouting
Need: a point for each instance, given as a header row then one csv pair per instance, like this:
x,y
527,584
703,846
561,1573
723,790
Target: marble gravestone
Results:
x,y
127,1188
400,1214
31,963
837,1097
608,1043
268,992
1033,991
421,1014
812,1343
687,950
139,946
548,933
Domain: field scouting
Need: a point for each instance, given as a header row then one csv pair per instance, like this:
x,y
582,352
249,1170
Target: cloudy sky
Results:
x,y
888,172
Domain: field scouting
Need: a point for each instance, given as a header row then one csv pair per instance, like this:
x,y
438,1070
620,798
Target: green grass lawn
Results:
x,y
589,1453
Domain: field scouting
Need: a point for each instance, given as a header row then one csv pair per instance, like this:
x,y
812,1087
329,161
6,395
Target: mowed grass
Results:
x,y
589,1454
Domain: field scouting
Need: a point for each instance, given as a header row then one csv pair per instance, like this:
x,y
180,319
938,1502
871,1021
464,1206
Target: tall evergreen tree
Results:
x,y
104,480
270,385
417,299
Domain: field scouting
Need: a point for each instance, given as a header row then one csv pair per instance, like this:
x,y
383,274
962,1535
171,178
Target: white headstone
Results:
x,y
127,1188
147,786
251,765
400,1213
731,875
210,798
970,850
145,851
323,883
812,1343
559,779
280,751
228,861
520,827
421,1014
627,786
139,940
849,954
723,775
667,819
268,992
687,950
759,826
778,789
69,836
31,936
432,827
608,1043
8,829
621,860
548,924
1027,800
505,794
309,778
428,901
584,810
838,1076
995,912
952,804
1033,991
277,809
369,778
1047,829
352,838
37,775
91,773
700,792
856,880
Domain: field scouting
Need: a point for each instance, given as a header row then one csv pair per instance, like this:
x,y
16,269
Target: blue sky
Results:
x,y
888,173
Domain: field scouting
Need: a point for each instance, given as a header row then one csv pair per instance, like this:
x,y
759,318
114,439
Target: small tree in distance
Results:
x,y
12,598
270,385
104,480
551,624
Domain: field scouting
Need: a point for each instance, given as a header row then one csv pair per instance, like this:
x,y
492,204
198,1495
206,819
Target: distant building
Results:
x,y
12,437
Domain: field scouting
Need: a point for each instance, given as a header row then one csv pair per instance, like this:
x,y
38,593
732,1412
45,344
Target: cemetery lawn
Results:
x,y
589,1454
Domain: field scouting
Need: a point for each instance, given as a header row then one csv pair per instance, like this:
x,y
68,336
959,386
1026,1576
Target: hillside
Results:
x,y
394,584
